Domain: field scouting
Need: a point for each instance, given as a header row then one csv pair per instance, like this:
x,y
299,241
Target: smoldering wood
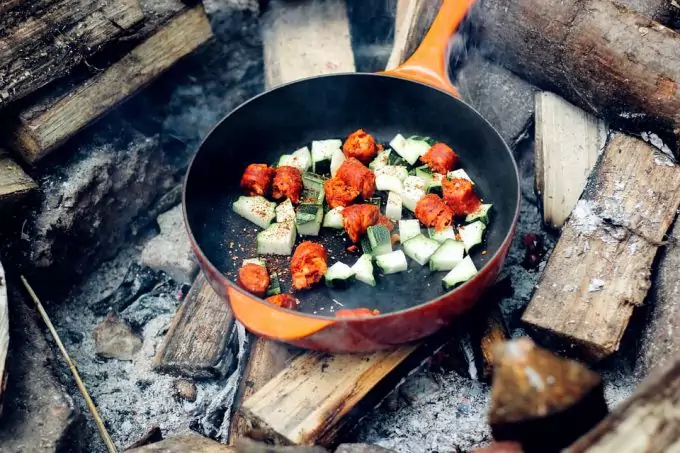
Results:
x,y
568,143
32,54
540,400
600,268
645,422
152,436
197,343
597,54
46,119
14,182
660,340
492,331
184,444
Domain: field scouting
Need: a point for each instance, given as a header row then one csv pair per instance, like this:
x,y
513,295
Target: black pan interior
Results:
x,y
291,116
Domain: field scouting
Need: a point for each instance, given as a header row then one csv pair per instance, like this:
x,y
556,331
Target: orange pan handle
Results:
x,y
428,64
271,322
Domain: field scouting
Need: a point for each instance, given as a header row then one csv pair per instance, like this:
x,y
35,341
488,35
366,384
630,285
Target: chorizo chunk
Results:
x,y
360,146
287,184
338,193
308,264
440,158
257,179
433,212
357,218
283,301
355,312
254,278
358,176
459,195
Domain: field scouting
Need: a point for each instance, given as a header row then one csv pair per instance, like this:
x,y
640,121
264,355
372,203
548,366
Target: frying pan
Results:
x,y
415,99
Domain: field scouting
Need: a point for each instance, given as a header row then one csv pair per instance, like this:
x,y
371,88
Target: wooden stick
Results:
x,y
90,404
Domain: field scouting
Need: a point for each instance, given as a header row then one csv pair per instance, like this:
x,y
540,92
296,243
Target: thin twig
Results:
x,y
90,404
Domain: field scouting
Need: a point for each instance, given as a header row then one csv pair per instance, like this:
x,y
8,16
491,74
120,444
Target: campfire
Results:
x,y
118,334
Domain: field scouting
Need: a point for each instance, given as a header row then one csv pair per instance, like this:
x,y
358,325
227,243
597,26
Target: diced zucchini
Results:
x,y
285,212
256,209
311,196
363,269
333,218
366,245
431,178
380,160
336,160
447,256
420,248
308,219
301,159
258,261
410,149
388,183
398,143
392,262
463,272
277,239
379,237
430,141
398,171
414,190
393,206
441,235
408,229
375,200
459,174
480,214
472,234
415,182
322,152
274,284
312,181
338,275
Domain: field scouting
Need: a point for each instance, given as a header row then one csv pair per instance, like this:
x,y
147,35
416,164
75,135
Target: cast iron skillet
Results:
x,y
413,303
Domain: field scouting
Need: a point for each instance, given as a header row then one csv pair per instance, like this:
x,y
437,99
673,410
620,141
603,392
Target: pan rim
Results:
x,y
509,234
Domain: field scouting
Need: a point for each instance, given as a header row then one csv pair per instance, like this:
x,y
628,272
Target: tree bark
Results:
x,y
598,55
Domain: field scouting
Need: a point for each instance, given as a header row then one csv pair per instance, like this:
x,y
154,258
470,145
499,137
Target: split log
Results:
x,y
599,270
197,343
646,422
492,332
540,400
42,40
660,342
568,142
45,120
4,333
184,444
598,55
665,12
14,182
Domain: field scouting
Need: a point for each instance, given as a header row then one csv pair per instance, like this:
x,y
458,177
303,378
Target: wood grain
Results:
x,y
197,343
32,54
600,268
184,444
598,55
647,422
568,143
4,333
44,125
14,182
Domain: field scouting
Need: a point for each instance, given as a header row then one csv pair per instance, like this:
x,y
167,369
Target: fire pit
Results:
x,y
93,221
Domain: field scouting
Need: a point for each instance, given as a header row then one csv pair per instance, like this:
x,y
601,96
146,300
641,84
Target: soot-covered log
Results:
x,y
542,401
597,54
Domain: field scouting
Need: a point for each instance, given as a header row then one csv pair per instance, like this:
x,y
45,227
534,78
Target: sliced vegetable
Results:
x,y
459,174
392,262
441,235
447,256
432,180
301,159
388,183
277,239
379,237
322,152
398,171
312,181
336,160
308,219
414,190
480,214
366,246
381,160
420,248
398,143
363,269
258,261
333,218
285,212
411,148
463,272
338,275
408,229
393,206
472,234
274,285
256,209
